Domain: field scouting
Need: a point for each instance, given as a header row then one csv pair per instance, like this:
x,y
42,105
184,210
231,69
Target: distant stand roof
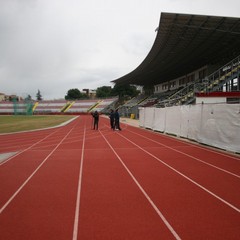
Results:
x,y
184,43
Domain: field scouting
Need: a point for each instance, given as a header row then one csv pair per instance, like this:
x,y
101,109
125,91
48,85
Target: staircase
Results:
x,y
66,106
94,106
35,106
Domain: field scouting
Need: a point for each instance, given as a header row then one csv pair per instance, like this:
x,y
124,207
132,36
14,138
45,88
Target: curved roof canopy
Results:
x,y
184,43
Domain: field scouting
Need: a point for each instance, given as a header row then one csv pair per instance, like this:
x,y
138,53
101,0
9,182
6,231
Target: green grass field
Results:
x,y
10,124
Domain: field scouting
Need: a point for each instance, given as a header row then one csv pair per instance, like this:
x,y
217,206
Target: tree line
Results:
x,y
123,91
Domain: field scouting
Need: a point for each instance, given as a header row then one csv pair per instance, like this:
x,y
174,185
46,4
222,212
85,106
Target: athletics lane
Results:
x,y
112,206
44,207
193,212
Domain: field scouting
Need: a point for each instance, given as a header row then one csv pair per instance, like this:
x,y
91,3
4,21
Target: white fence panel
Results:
x,y
216,125
159,122
220,126
149,118
173,120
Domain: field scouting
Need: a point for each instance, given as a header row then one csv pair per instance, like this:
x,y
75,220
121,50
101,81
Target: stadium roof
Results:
x,y
184,43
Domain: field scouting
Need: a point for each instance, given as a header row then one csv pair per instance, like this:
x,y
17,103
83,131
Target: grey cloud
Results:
x,y
57,45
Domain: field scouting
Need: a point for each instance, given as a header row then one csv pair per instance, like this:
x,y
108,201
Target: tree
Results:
x,y
28,98
124,91
103,92
39,96
74,94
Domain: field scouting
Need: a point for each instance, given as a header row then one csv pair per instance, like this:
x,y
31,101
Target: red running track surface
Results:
x,y
73,182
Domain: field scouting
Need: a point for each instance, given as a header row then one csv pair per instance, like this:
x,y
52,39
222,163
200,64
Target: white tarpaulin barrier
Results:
x,y
216,125
160,119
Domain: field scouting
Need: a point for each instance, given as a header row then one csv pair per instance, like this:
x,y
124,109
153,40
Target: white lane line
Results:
x,y
183,175
29,178
144,193
27,148
76,219
188,155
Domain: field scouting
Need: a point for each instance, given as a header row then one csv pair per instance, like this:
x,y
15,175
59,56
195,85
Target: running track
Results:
x,y
74,183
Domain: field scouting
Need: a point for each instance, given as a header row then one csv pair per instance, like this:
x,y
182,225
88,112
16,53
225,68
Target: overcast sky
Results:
x,y
57,45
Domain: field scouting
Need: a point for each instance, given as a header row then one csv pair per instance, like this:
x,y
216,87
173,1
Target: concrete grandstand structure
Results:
x,y
58,106
191,68
191,54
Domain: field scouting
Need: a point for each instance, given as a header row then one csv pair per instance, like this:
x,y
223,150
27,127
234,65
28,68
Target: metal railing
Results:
x,y
213,82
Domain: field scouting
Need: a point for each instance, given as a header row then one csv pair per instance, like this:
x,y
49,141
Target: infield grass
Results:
x,y
10,124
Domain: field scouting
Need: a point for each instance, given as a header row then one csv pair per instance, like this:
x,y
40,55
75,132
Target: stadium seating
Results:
x,y
56,106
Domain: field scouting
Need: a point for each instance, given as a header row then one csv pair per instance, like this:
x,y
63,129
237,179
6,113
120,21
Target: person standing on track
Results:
x,y
117,120
95,120
112,122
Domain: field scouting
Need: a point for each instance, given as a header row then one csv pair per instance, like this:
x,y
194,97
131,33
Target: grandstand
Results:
x,y
191,54
6,107
57,106
16,107
193,68
46,107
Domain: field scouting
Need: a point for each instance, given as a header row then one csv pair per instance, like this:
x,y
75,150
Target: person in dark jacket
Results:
x,y
117,120
95,120
112,121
